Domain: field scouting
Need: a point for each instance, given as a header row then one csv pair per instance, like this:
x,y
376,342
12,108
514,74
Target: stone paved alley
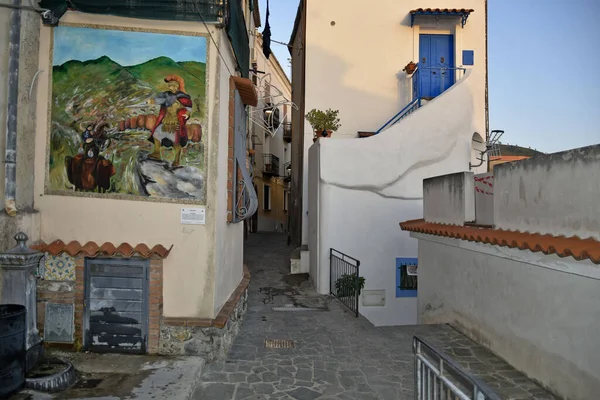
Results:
x,y
336,355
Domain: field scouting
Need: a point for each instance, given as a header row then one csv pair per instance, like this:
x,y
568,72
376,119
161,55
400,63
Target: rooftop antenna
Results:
x,y
492,148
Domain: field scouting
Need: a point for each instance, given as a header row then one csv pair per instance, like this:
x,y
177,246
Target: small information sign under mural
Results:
x,y
58,326
193,215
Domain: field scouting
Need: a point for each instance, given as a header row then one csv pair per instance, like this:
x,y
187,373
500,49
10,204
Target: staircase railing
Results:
x,y
417,98
414,104
437,376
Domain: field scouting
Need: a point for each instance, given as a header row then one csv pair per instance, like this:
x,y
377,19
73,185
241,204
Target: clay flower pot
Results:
x,y
410,68
320,134
133,122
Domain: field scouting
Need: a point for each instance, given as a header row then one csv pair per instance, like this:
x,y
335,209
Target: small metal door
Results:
x,y
116,305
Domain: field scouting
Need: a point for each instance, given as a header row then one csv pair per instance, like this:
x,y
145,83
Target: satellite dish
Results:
x,y
492,148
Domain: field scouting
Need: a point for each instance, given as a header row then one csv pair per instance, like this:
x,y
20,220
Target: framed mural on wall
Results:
x,y
127,114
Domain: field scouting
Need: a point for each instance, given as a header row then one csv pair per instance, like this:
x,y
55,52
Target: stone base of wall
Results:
x,y
209,338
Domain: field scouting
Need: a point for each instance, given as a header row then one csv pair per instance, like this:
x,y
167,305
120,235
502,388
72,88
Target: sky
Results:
x,y
544,68
124,47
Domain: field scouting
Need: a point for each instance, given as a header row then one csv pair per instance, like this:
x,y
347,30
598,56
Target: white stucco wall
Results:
x,y
202,256
552,193
354,64
449,199
484,199
370,185
228,245
312,203
540,313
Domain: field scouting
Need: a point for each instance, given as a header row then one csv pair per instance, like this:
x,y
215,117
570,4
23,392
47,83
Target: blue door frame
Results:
x,y
436,60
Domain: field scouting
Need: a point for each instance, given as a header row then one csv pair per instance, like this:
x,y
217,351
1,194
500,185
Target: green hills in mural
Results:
x,y
84,91
101,91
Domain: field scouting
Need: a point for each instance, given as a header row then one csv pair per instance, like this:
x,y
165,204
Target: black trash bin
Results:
x,y
12,348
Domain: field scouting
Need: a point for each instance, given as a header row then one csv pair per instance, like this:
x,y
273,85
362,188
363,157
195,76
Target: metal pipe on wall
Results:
x,y
10,156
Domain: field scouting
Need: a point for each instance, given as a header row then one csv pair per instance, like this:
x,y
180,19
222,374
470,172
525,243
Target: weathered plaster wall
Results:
x,y
538,312
449,199
189,271
554,193
484,199
227,245
27,220
312,201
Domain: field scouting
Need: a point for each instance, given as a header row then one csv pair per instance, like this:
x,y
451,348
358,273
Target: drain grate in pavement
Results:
x,y
299,309
87,384
279,344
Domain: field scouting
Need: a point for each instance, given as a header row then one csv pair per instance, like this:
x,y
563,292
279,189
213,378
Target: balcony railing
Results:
x,y
270,165
287,132
447,77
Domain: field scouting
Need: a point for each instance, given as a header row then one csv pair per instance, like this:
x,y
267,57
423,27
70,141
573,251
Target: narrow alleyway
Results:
x,y
336,355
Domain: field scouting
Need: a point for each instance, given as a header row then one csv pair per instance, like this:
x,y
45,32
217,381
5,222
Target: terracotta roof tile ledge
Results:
x,y
92,249
579,249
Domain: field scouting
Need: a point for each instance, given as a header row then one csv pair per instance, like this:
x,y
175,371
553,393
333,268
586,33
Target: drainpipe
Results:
x,y
10,157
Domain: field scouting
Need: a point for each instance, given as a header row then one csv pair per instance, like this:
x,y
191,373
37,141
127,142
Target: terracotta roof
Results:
x,y
247,90
579,249
442,10
91,249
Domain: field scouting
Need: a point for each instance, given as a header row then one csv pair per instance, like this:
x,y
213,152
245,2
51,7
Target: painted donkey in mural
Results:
x,y
89,171
170,128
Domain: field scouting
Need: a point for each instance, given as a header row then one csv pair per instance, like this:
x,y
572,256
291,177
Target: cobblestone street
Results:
x,y
336,355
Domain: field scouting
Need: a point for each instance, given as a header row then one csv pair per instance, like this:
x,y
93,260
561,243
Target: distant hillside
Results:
x,y
511,150
86,91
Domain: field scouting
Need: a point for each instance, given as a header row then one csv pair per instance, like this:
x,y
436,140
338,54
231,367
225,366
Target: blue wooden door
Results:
x,y
436,58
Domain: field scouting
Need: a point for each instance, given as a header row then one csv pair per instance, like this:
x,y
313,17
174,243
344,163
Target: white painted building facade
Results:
x,y
356,190
528,288
268,141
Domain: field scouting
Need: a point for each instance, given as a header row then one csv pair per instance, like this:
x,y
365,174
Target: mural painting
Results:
x,y
127,114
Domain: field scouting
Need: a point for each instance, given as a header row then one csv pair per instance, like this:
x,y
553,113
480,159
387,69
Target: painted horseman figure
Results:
x,y
170,128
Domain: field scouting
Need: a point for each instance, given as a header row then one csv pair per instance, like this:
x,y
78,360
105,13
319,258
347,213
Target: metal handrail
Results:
x,y
343,267
426,388
416,102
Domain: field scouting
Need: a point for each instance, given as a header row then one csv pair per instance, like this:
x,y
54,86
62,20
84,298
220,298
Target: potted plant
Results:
x,y
410,68
324,123
345,286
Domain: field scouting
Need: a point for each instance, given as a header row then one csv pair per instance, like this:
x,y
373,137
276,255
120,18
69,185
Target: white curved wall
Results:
x,y
367,186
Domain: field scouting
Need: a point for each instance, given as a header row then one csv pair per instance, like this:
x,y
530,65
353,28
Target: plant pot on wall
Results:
x,y
410,68
317,134
324,123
